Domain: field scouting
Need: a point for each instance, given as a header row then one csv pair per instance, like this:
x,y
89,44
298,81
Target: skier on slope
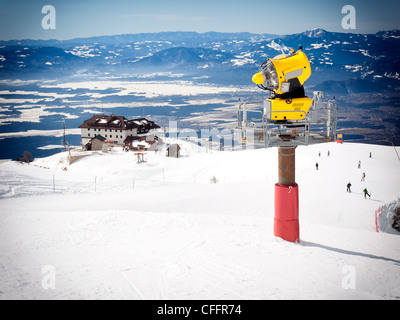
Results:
x,y
365,191
363,177
348,187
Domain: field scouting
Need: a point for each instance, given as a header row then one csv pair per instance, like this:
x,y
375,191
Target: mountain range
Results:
x,y
342,62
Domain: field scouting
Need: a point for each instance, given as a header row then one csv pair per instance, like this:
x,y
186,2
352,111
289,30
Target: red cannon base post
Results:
x,y
286,221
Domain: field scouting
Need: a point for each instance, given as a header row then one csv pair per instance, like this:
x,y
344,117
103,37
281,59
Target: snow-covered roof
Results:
x,y
143,125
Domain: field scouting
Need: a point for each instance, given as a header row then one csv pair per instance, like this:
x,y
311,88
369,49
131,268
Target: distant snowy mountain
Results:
x,y
49,62
182,58
334,56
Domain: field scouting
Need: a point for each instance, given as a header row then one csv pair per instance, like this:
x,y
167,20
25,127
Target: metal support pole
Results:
x,y
244,125
287,166
329,121
286,221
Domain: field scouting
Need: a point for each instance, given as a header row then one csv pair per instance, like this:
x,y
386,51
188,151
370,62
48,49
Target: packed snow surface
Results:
x,y
107,227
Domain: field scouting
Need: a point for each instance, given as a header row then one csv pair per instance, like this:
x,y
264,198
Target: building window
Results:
x,y
121,137
110,135
120,130
106,136
88,134
94,129
88,129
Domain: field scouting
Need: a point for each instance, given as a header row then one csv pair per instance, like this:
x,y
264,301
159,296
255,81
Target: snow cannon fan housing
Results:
x,y
285,75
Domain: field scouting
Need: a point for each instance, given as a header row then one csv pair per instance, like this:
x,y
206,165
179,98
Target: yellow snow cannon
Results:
x,y
285,75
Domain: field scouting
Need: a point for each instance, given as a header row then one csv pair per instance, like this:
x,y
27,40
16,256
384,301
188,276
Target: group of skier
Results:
x,y
319,155
365,191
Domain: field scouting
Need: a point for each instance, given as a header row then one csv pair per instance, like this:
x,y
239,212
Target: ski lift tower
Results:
x,y
288,119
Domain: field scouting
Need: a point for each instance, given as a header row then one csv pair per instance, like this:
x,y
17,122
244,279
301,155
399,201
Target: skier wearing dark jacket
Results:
x,y
365,191
348,187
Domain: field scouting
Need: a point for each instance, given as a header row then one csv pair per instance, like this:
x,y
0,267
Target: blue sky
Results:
x,y
21,19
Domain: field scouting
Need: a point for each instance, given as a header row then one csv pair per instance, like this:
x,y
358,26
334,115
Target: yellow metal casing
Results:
x,y
288,72
285,75
291,109
291,67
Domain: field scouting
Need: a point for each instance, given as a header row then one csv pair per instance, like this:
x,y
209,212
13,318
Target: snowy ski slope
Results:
x,y
160,230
